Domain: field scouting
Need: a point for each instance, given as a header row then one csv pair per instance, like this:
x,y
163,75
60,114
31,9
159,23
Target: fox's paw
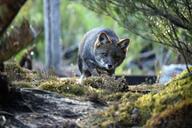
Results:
x,y
80,80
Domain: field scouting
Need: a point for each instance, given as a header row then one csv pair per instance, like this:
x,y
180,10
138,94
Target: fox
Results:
x,y
101,52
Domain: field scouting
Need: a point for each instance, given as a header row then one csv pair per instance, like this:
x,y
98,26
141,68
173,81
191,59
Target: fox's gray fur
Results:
x,y
100,52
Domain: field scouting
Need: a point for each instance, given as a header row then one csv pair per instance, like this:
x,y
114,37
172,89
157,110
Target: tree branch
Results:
x,y
19,38
8,11
173,19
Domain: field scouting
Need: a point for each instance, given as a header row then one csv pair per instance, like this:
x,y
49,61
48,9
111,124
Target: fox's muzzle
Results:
x,y
109,66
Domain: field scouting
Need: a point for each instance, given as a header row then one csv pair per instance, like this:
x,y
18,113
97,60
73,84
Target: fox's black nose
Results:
x,y
109,66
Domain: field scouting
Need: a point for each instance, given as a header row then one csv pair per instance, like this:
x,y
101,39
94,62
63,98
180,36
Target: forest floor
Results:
x,y
39,100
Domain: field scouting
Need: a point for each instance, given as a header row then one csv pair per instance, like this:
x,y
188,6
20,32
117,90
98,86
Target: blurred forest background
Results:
x,y
144,56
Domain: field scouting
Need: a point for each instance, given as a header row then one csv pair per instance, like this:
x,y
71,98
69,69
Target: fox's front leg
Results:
x,y
87,71
91,68
84,75
87,74
94,72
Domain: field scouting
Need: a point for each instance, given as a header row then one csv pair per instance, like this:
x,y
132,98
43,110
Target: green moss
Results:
x,y
94,88
176,116
116,96
16,73
63,87
70,87
177,90
146,88
147,105
22,84
130,96
110,84
126,100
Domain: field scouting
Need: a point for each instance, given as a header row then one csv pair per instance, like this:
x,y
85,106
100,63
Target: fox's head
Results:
x,y
110,53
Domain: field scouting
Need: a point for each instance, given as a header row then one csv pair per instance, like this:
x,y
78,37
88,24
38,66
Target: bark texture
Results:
x,y
8,11
52,35
16,40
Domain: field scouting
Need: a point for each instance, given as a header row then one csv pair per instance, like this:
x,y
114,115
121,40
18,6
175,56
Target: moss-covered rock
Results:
x,y
148,105
126,106
177,116
17,73
64,87
23,84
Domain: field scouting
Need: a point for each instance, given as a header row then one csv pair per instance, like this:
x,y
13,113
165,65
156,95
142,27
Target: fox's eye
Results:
x,y
116,58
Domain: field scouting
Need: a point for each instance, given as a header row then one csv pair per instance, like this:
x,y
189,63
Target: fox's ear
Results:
x,y
124,43
103,38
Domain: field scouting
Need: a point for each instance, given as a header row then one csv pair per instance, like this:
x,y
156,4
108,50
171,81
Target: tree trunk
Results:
x,y
8,11
19,38
52,35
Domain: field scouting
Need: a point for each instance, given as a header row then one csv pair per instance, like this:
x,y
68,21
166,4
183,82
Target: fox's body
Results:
x,y
100,52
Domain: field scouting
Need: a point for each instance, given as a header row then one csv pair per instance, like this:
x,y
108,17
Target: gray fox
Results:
x,y
100,52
